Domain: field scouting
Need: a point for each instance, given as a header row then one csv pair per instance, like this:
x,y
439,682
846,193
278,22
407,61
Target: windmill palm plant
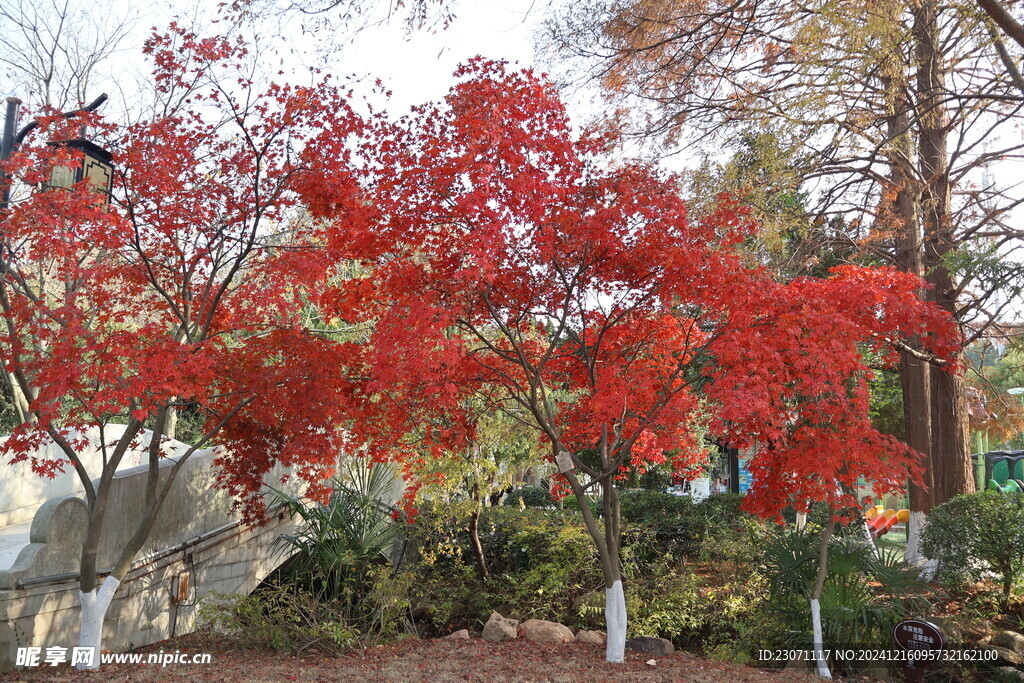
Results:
x,y
338,545
863,596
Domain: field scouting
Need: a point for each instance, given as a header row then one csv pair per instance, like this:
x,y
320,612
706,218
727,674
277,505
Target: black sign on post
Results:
x,y
916,635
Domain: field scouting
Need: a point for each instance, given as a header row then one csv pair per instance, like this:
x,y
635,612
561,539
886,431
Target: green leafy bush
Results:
x,y
677,523
714,529
978,532
278,617
697,610
544,566
542,563
530,496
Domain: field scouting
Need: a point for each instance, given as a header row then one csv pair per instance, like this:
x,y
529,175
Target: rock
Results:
x,y
1011,640
590,637
540,631
1008,674
458,635
651,662
1007,655
954,634
499,628
650,645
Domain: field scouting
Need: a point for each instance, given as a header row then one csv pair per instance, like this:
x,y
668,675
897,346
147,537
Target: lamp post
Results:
x,y
95,166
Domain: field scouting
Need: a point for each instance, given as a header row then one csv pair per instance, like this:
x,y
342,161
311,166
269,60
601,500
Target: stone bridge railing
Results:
x,y
197,547
22,491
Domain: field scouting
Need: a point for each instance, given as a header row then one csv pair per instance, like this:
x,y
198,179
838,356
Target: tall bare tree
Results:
x,y
1012,27
53,50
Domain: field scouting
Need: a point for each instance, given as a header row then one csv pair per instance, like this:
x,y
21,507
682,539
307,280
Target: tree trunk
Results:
x,y
615,622
950,460
915,379
94,610
172,423
95,599
819,583
18,399
916,383
615,600
478,549
606,538
953,471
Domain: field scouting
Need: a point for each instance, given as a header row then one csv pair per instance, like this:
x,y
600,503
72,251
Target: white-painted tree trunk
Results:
x,y
819,654
914,528
869,541
801,521
615,618
913,555
94,610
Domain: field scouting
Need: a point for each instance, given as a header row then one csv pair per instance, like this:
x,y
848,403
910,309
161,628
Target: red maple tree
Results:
x,y
184,293
496,257
502,258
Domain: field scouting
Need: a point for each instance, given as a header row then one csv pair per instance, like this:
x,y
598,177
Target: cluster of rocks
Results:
x,y
499,628
1009,647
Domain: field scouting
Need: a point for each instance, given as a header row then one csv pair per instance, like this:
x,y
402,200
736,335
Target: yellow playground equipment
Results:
x,y
880,520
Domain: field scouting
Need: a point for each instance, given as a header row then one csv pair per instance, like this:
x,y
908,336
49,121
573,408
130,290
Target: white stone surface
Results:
x,y
22,491
13,538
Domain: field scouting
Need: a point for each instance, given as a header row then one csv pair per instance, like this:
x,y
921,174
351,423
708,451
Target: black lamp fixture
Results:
x,y
96,163
96,167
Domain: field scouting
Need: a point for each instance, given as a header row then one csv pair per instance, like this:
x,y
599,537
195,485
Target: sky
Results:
x,y
419,68
416,66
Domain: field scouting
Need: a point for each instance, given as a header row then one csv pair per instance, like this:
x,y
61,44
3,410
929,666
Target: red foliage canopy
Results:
x,y
498,255
493,254
188,291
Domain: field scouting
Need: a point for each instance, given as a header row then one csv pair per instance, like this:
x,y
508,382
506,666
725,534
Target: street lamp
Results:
x,y
96,167
96,163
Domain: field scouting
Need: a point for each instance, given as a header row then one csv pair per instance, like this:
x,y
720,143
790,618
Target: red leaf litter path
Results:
x,y
418,660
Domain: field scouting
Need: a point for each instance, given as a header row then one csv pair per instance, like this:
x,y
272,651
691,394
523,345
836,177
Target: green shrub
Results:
x,y
730,534
692,609
571,503
543,563
978,532
530,496
676,522
279,618
714,529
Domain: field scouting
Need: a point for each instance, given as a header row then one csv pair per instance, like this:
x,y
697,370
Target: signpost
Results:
x,y
917,635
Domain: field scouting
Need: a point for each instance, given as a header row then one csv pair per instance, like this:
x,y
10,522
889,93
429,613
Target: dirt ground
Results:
x,y
417,660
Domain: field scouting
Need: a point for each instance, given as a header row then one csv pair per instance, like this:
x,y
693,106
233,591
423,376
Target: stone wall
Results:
x,y
196,533
145,610
22,491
